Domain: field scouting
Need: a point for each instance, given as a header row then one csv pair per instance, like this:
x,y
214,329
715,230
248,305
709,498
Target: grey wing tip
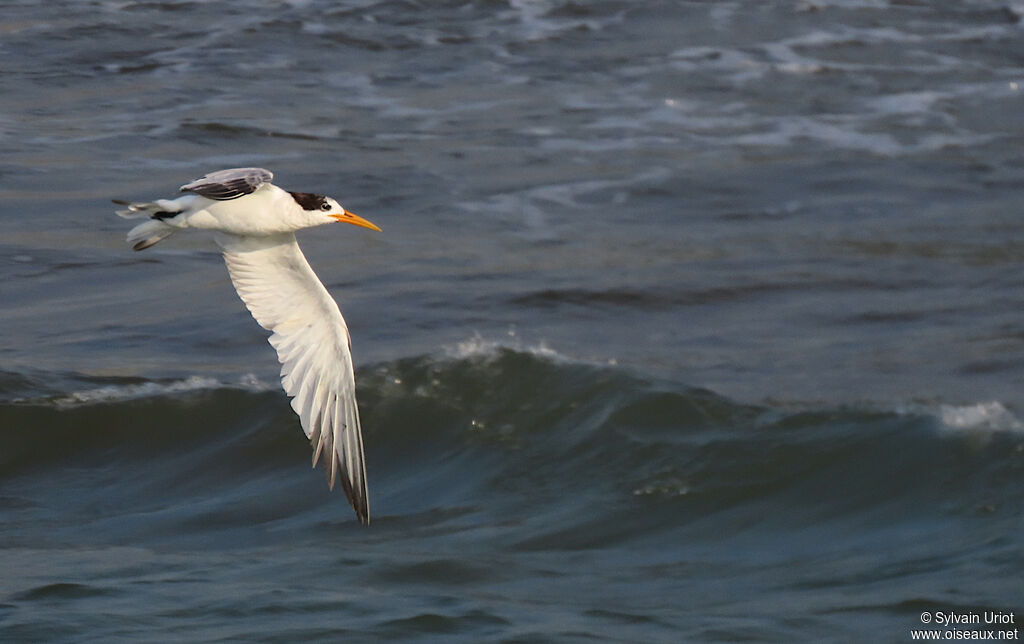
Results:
x,y
363,509
363,512
353,483
230,183
360,502
261,175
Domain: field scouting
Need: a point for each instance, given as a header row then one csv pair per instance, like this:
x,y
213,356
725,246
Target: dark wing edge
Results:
x,y
224,185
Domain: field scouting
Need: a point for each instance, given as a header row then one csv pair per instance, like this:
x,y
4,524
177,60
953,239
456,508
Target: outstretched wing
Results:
x,y
229,184
281,291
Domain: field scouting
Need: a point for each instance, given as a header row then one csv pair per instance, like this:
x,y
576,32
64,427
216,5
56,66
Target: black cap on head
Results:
x,y
308,201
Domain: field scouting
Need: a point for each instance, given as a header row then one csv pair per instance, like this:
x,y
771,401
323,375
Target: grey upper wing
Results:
x,y
229,184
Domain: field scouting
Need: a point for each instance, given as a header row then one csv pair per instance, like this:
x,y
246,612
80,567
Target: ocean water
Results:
x,y
690,321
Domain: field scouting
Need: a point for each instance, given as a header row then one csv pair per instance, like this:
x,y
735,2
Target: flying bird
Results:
x,y
254,223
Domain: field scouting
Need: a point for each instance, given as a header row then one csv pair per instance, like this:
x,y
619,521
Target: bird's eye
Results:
x,y
325,206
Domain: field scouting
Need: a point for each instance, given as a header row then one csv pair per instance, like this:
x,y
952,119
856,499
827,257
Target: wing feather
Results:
x,y
224,185
312,342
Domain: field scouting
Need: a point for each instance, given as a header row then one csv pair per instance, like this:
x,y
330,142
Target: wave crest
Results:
x,y
986,416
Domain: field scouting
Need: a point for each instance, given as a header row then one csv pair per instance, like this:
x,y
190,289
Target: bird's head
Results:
x,y
319,209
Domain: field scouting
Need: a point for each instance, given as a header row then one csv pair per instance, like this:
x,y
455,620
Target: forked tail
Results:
x,y
149,232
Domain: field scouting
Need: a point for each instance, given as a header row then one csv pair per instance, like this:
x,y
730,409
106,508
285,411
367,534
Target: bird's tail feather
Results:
x,y
162,209
148,233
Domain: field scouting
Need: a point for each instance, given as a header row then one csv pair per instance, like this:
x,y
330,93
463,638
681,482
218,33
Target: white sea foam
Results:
x,y
118,393
990,416
477,346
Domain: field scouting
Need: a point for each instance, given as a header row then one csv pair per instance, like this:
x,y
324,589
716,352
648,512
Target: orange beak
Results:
x,y
353,218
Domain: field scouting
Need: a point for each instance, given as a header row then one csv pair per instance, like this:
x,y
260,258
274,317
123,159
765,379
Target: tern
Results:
x,y
254,223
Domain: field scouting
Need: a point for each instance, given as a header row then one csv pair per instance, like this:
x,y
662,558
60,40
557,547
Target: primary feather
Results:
x,y
224,185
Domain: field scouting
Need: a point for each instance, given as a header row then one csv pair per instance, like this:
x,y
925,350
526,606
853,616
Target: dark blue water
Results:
x,y
689,321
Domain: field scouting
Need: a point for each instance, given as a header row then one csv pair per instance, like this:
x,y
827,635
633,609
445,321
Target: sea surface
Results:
x,y
689,321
